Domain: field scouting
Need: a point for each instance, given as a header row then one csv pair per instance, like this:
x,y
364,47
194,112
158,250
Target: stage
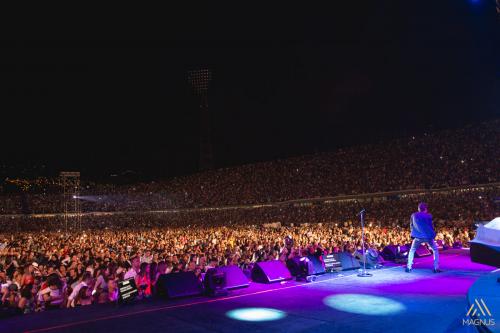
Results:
x,y
390,301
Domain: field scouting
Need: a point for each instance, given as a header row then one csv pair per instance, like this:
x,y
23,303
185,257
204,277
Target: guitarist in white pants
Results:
x,y
422,231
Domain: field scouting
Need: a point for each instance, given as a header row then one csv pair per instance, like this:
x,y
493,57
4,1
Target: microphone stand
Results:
x,y
363,272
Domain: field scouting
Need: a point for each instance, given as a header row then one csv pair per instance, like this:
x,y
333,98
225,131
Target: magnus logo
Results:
x,y
478,314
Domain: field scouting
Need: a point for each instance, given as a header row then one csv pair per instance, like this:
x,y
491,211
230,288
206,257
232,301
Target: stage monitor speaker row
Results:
x,y
180,284
270,271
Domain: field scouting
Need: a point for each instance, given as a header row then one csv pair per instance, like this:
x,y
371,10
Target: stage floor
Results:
x,y
389,301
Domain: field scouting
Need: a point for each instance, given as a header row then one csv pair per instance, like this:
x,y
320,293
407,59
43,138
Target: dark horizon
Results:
x,y
380,72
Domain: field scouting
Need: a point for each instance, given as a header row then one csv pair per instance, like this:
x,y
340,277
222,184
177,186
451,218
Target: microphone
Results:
x,y
361,212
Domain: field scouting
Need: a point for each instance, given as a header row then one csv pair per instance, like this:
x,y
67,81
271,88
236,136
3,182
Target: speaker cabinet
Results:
x,y
235,278
270,271
180,284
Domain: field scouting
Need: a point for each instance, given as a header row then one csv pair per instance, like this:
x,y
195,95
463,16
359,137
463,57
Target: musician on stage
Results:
x,y
422,231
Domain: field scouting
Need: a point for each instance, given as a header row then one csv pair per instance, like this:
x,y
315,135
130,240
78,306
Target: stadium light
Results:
x,y
199,79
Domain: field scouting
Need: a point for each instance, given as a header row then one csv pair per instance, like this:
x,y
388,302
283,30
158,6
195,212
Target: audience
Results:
x,y
47,262
448,158
43,269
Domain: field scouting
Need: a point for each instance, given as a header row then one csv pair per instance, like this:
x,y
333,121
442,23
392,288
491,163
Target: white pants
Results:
x,y
416,244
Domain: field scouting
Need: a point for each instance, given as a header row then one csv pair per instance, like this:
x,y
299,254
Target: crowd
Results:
x,y
457,206
51,262
49,270
443,159
45,266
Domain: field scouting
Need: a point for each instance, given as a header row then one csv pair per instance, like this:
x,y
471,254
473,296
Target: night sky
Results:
x,y
284,85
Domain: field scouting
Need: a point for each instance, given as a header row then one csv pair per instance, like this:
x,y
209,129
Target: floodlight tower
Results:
x,y
70,182
199,79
